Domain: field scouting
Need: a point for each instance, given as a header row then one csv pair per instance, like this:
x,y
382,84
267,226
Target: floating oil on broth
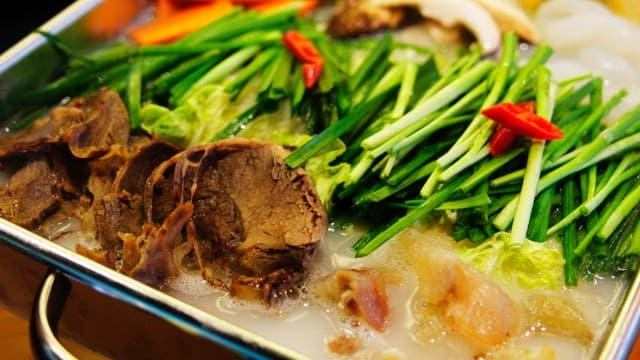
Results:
x,y
410,333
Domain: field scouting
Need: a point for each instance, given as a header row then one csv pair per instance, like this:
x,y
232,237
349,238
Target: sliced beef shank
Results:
x,y
253,217
133,175
106,125
32,193
118,189
89,126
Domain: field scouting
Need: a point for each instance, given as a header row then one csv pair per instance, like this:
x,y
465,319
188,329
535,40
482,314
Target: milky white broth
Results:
x,y
305,325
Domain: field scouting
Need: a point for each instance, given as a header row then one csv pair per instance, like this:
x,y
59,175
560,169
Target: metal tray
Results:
x,y
115,315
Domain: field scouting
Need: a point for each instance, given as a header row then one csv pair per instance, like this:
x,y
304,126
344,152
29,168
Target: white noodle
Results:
x,y
588,37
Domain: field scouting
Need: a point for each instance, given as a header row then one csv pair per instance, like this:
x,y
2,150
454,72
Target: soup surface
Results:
x,y
407,336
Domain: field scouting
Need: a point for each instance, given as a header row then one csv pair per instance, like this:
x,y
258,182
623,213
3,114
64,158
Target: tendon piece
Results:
x,y
358,292
148,257
253,217
466,13
485,19
468,301
32,193
510,16
479,309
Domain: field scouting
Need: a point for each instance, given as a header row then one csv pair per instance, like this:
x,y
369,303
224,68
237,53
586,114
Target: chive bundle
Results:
x,y
419,159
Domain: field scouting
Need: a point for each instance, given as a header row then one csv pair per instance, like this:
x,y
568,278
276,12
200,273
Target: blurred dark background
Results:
x,y
19,19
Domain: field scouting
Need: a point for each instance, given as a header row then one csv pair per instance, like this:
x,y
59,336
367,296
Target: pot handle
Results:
x,y
47,309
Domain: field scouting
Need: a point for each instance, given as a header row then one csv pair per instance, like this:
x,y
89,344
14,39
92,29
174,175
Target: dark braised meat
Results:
x,y
106,125
89,126
351,18
32,193
117,213
45,190
140,164
119,209
231,210
253,218
50,129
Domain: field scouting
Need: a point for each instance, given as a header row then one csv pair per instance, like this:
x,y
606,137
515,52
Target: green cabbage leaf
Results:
x,y
533,265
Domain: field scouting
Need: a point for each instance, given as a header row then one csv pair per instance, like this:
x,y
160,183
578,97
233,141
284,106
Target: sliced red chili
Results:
x,y
502,140
305,51
301,47
529,106
311,73
522,121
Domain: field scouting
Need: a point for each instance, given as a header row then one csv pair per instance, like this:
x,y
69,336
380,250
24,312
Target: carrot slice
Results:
x,y
268,5
180,23
111,16
165,8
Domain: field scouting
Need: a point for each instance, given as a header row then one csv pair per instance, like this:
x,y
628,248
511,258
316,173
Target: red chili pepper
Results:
x,y
305,51
311,74
502,140
301,47
529,106
522,121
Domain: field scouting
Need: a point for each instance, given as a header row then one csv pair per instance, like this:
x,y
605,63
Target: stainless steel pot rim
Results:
x,y
111,283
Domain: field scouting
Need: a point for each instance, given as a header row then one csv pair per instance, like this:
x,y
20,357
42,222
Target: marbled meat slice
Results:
x,y
252,216
119,206
133,175
106,125
89,126
32,193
